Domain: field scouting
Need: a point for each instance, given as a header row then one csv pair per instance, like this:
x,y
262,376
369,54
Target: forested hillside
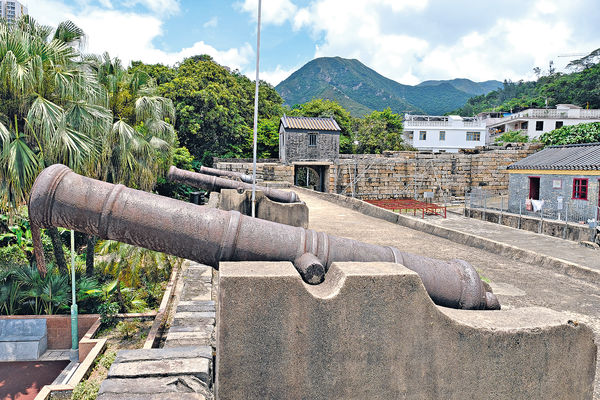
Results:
x,y
361,90
580,87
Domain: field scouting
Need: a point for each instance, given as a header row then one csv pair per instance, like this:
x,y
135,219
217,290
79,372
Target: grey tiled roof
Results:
x,y
322,124
568,157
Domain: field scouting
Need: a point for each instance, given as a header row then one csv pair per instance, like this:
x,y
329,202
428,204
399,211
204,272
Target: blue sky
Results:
x,y
406,40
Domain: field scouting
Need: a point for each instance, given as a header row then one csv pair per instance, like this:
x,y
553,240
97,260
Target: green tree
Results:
x,y
379,131
215,107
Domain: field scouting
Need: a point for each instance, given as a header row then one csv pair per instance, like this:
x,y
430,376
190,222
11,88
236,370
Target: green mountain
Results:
x,y
467,85
361,90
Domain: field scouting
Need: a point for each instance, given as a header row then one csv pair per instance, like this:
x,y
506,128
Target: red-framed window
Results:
x,y
580,188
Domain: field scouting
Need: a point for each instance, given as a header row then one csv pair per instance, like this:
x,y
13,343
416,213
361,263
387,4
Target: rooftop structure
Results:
x,y
535,121
444,133
581,157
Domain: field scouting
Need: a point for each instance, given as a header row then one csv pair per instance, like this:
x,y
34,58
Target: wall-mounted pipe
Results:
x,y
60,197
215,184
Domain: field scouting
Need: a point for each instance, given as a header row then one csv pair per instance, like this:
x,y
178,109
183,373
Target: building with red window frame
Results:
x,y
563,176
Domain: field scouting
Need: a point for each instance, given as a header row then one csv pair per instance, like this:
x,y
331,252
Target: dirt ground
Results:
x,y
516,284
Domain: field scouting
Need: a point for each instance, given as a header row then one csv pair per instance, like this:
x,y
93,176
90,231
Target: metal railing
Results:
x,y
582,213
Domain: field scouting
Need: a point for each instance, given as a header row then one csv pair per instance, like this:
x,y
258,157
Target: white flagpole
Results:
x,y
256,113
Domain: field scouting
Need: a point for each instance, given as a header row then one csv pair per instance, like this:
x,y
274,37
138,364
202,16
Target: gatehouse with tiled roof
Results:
x,y
308,139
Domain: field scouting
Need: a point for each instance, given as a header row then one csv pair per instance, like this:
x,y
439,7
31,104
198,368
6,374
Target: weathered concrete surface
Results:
x,y
517,283
22,339
371,331
295,214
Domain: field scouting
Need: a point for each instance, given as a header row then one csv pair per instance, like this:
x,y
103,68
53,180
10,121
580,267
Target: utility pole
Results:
x,y
255,114
74,325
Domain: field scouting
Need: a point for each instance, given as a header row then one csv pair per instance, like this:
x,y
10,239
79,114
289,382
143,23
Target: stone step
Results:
x,y
180,387
199,367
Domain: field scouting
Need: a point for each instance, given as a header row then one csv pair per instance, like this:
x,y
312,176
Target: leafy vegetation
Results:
x,y
581,87
215,108
379,131
572,134
512,137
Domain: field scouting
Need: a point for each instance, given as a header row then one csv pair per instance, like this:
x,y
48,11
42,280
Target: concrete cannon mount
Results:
x,y
370,331
294,214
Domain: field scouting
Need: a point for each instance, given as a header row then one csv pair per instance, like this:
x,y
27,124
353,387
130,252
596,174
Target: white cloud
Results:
x,y
131,35
164,7
106,3
509,46
274,12
211,23
140,31
273,76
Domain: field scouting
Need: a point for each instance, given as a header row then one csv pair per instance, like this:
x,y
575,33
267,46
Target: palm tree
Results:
x,y
131,265
52,109
139,146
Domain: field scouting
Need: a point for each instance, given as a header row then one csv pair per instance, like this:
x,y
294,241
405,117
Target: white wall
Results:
x,y
455,139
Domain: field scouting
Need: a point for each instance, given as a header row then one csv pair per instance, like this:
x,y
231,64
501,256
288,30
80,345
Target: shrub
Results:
x,y
572,134
512,137
86,390
127,328
108,313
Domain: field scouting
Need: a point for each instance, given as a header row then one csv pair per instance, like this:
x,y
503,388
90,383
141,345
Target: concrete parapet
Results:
x,y
294,214
371,331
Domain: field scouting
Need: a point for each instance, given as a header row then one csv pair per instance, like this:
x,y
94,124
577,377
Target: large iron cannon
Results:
x,y
60,197
215,184
231,174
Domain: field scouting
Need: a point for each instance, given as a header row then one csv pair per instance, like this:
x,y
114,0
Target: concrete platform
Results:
x,y
370,331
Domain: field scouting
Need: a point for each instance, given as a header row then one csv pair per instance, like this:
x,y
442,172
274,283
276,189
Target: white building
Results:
x,y
12,10
535,121
444,133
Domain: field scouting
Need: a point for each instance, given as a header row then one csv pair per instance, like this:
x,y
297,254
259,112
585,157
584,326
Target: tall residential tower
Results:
x,y
11,10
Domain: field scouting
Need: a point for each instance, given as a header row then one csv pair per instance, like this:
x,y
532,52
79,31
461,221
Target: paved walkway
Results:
x,y
517,284
543,244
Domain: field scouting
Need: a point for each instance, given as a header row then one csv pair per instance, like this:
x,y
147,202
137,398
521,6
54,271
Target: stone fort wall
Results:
x,y
403,174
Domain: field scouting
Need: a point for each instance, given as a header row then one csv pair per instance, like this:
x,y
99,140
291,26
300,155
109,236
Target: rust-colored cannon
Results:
x,y
60,197
215,184
231,174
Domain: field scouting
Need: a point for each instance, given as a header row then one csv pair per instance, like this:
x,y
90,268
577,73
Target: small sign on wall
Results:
x,y
556,184
559,203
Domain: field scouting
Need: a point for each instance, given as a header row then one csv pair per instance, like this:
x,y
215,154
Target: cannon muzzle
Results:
x,y
231,174
215,184
60,197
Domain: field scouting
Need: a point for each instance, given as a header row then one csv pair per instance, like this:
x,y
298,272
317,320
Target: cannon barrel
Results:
x,y
60,197
215,184
231,174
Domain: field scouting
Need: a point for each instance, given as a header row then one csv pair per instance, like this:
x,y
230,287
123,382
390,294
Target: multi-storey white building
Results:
x,y
12,10
444,133
535,121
